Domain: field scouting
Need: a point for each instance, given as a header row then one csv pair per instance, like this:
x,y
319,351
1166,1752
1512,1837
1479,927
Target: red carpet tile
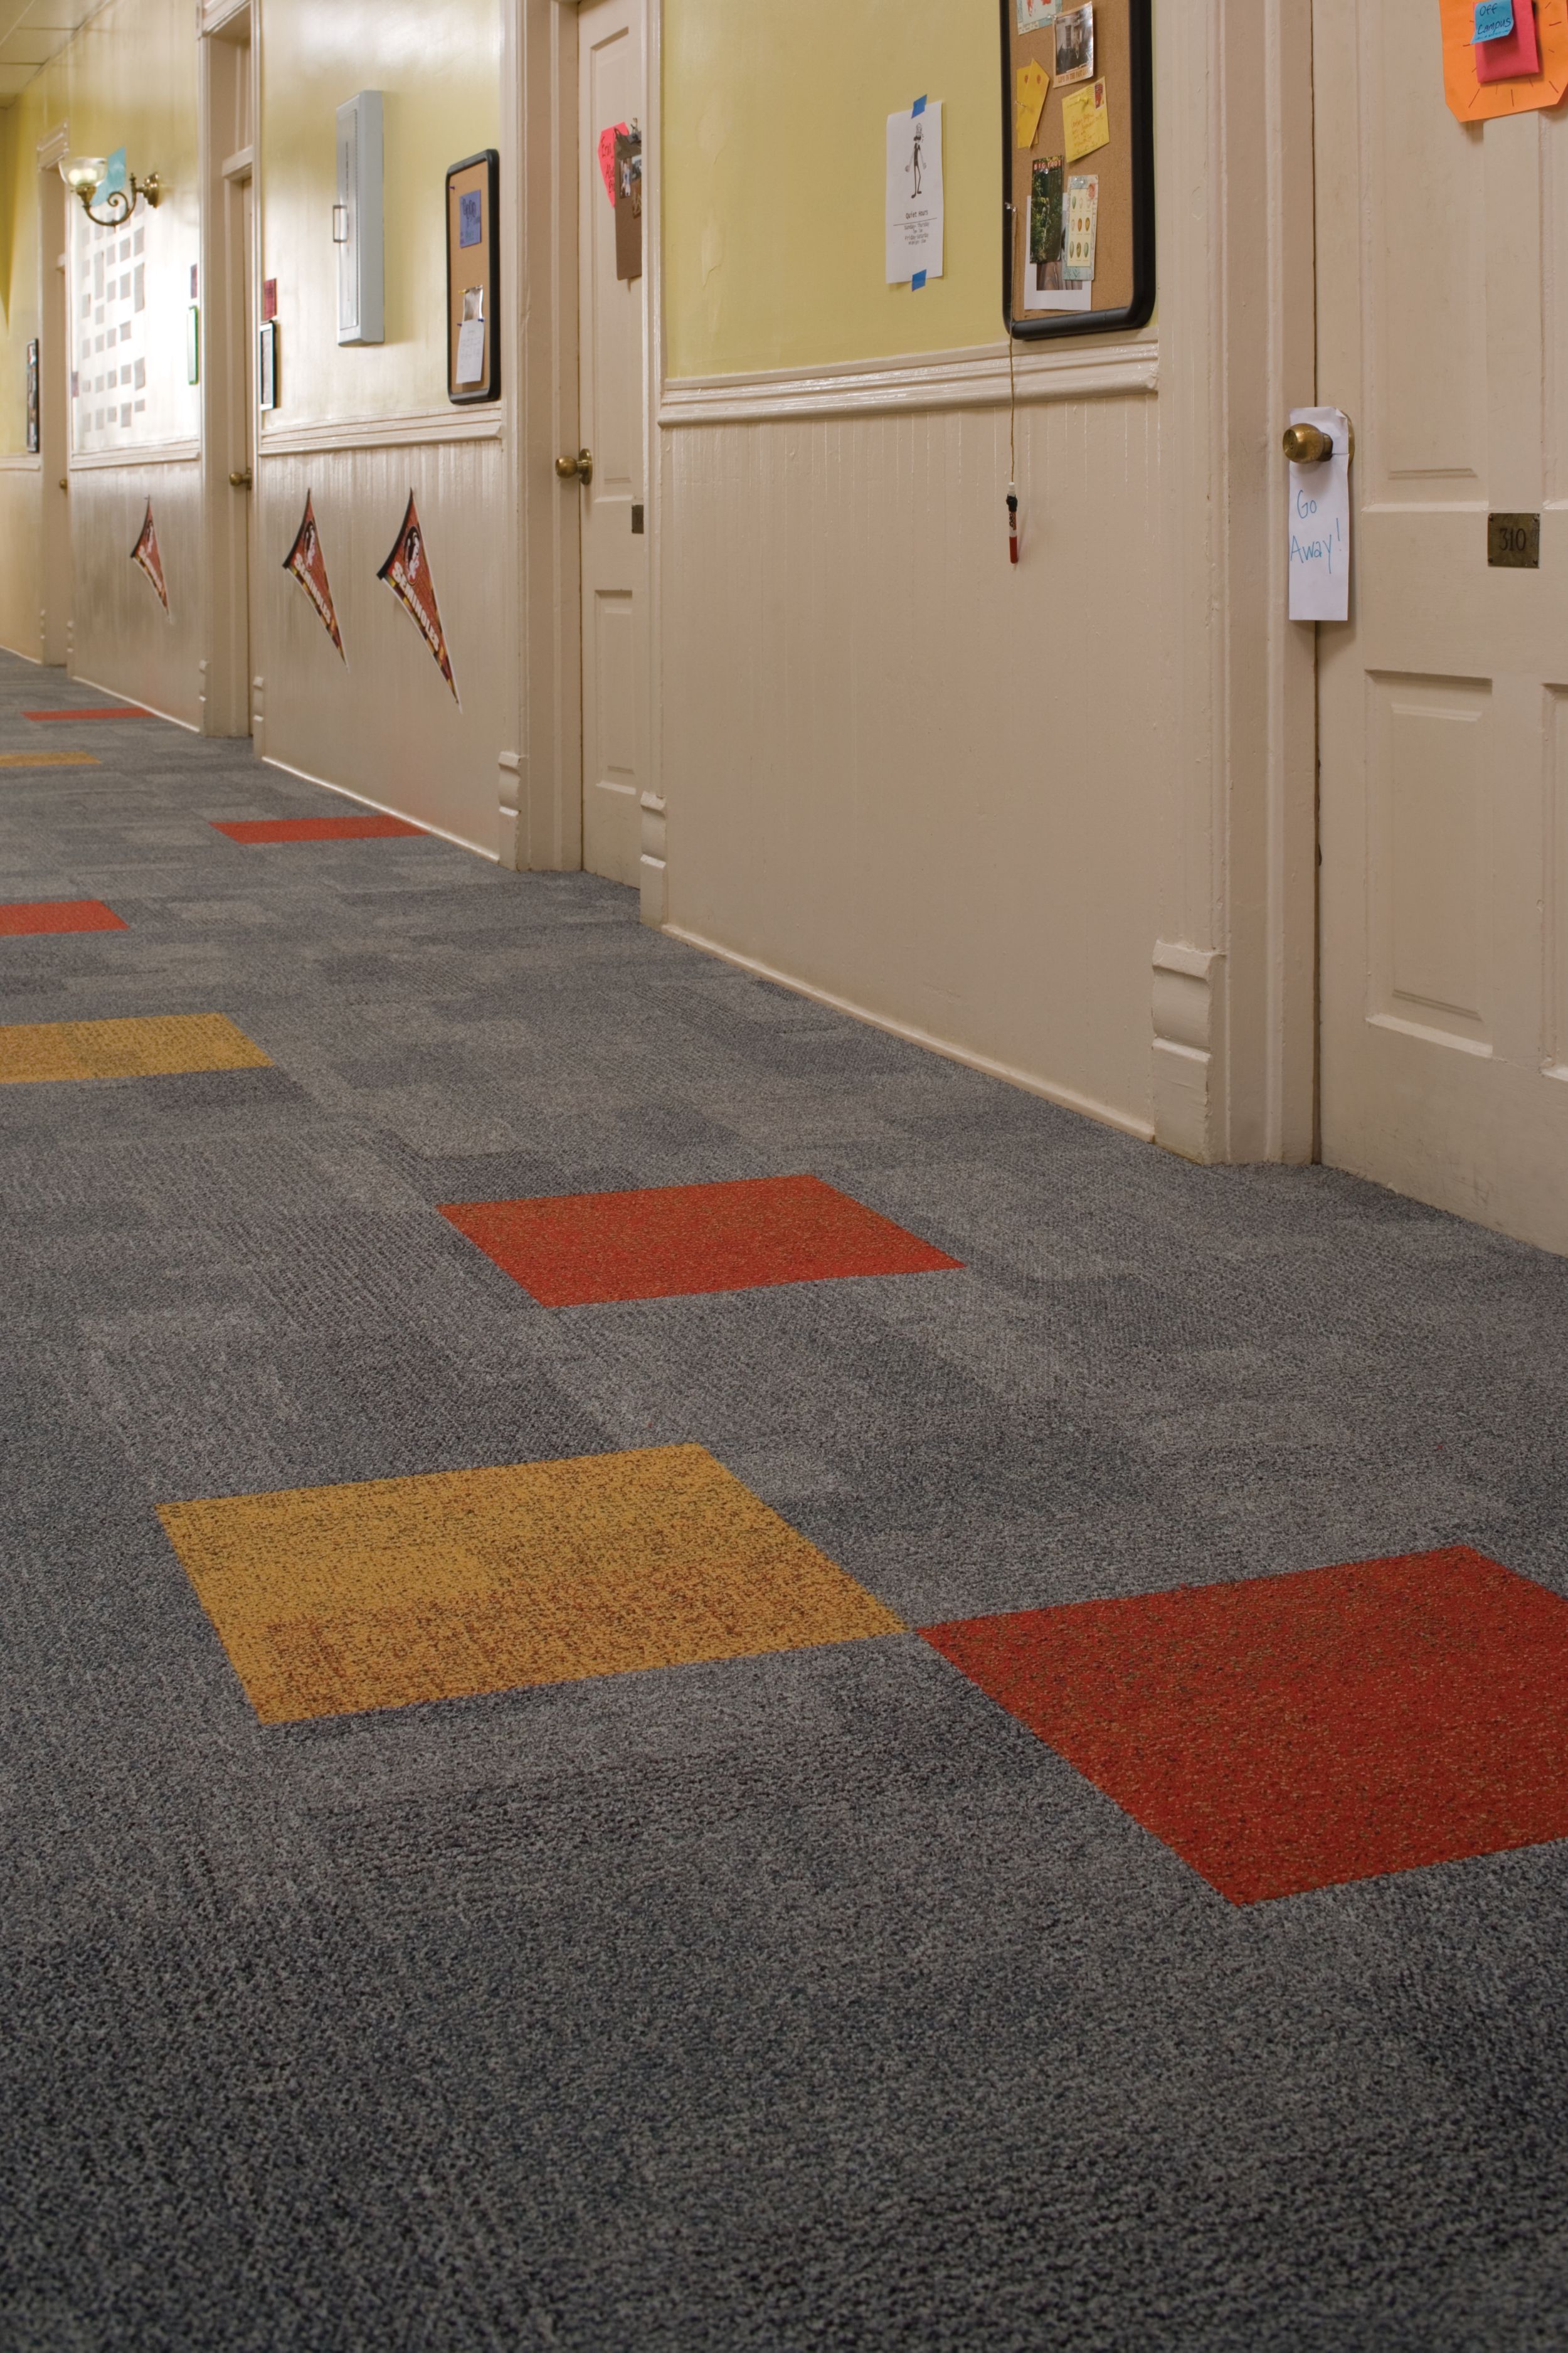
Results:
x,y
316,828
98,710
58,915
1300,1732
585,1248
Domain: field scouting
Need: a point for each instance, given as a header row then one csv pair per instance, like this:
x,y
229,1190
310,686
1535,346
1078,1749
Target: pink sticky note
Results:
x,y
1517,53
607,154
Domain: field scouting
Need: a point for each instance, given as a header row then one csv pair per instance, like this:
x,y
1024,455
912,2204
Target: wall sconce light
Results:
x,y
84,175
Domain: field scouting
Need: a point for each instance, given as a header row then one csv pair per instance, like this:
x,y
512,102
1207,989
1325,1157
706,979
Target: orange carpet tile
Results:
x,y
329,1601
315,829
156,1046
584,1249
1297,1732
115,711
21,916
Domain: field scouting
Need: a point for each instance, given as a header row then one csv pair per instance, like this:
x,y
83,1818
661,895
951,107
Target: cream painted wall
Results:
x,y
774,170
438,68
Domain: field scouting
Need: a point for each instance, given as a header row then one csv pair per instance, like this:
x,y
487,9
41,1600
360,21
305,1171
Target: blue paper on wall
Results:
x,y
114,178
471,218
1494,19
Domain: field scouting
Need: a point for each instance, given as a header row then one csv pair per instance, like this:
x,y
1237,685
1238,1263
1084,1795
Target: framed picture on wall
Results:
x,y
33,397
473,278
267,366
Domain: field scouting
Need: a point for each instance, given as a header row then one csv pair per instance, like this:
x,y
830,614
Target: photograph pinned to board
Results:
x,y
145,553
1086,121
308,565
1075,44
407,573
470,362
1033,85
915,211
1048,202
1037,15
627,162
1081,231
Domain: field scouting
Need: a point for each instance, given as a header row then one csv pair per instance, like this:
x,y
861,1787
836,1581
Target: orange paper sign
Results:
x,y
1474,100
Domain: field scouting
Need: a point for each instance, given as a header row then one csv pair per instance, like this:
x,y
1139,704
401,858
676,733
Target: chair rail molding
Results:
x,y
977,378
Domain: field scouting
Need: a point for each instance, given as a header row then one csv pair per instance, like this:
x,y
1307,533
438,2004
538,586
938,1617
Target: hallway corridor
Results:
x,y
383,1966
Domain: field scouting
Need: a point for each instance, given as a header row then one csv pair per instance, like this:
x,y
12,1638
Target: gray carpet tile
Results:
x,y
804,2001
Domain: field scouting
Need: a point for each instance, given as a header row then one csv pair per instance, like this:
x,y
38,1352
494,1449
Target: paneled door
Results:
x,y
1443,704
611,394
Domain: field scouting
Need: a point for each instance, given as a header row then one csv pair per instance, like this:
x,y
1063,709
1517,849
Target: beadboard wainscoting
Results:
x,y
380,720
121,638
898,772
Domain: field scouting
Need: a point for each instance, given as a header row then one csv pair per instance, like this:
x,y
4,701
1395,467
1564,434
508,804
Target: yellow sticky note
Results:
x,y
1086,121
1033,83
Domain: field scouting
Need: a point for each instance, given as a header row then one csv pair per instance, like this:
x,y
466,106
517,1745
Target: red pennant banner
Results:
x,y
309,566
145,553
407,573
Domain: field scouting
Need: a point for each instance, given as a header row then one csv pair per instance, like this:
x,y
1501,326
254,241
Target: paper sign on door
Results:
x,y
1319,524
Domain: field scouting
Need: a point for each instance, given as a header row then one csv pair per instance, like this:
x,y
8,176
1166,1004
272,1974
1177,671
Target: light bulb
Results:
x,y
84,174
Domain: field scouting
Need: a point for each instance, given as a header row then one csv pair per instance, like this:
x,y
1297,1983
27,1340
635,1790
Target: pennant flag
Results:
x,y
145,553
309,566
407,575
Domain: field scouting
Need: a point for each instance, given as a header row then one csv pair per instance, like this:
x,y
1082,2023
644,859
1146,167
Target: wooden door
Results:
x,y
611,394
1443,331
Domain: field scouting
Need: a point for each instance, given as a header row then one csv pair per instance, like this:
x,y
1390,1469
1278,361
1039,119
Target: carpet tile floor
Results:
x,y
731,1816
1294,1731
340,1598
20,917
685,1239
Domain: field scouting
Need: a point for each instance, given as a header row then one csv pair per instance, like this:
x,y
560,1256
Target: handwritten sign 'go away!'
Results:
x,y
1319,522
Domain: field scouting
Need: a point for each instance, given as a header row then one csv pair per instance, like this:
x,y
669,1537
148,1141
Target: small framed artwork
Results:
x,y
194,344
33,398
473,278
267,366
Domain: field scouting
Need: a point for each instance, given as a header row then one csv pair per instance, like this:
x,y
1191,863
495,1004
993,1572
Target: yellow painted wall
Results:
x,y
439,67
128,80
773,161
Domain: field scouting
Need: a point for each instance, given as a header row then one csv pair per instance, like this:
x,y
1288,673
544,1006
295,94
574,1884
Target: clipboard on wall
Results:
x,y
1098,59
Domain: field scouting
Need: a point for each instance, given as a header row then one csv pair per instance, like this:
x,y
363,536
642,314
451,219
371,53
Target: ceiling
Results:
x,y
30,33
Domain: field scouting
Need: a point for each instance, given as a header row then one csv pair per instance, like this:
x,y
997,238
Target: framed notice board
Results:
x,y
473,278
1077,166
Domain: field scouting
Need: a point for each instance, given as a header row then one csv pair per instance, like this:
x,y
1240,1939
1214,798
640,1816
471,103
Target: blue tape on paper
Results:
x,y
917,281
919,105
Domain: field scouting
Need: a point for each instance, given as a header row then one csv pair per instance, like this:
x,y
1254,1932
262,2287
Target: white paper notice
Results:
x,y
471,352
914,195
1319,524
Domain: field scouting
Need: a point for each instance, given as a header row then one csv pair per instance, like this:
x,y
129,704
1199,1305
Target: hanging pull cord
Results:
x,y
1011,424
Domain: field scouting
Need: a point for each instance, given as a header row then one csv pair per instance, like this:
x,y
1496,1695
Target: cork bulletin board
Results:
x,y
1078,229
473,278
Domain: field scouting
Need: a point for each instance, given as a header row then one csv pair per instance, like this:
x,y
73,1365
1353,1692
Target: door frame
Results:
x,y
54,296
227,433
541,783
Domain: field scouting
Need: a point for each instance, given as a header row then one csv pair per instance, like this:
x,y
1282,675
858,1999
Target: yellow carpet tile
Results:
x,y
158,1047
46,760
334,1599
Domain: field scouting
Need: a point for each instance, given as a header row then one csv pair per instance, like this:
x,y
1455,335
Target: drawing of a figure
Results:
x,y
916,158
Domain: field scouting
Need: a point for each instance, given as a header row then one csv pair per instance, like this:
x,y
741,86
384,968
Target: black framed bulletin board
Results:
x,y
1077,166
473,278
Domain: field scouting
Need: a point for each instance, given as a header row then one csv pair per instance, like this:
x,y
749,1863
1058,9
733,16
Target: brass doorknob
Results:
x,y
579,469
1308,445
241,480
